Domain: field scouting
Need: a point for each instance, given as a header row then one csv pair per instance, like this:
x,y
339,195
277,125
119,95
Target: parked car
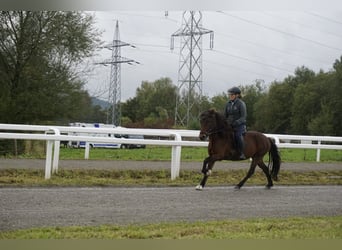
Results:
x,y
133,145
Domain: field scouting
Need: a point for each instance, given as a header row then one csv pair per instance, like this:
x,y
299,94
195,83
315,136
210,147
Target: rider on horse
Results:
x,y
235,113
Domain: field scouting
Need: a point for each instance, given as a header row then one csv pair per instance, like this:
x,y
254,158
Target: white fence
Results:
x,y
176,139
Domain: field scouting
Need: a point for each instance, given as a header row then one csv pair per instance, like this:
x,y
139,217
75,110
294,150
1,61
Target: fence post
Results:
x,y
86,151
56,152
48,159
318,153
175,158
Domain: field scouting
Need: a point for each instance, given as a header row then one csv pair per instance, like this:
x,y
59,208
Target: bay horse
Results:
x,y
222,147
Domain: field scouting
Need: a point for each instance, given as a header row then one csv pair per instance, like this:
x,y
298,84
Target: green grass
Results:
x,y
154,153
150,153
81,177
191,154
263,228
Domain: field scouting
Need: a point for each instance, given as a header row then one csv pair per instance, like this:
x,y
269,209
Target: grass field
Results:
x,y
149,178
192,154
276,228
155,153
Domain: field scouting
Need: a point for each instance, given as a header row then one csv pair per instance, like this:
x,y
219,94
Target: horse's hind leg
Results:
x,y
266,171
249,174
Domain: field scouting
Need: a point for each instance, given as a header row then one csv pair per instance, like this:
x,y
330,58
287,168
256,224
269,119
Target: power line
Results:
x,y
153,17
233,37
286,52
152,45
238,68
323,17
252,61
282,32
302,24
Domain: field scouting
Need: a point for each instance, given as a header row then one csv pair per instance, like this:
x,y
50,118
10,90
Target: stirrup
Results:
x,y
242,156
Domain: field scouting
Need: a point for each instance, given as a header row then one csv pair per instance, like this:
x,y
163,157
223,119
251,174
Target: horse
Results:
x,y
222,147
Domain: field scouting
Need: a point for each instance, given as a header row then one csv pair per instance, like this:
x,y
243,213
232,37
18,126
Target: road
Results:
x,y
43,207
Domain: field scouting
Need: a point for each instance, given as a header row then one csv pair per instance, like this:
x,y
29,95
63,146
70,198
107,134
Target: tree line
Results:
x,y
39,84
305,103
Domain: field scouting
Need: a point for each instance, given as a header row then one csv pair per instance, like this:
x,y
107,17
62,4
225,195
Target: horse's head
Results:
x,y
208,123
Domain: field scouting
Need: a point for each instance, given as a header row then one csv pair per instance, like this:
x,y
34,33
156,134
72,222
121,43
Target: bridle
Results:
x,y
211,132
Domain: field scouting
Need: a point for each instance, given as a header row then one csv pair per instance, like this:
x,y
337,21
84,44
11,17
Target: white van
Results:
x,y
81,144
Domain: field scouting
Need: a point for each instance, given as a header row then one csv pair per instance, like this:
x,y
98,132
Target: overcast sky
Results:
x,y
248,45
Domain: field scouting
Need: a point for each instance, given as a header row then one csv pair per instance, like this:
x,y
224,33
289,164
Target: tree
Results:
x,y
154,103
251,94
219,101
301,75
335,100
129,110
307,104
321,124
261,114
201,103
304,104
272,112
39,52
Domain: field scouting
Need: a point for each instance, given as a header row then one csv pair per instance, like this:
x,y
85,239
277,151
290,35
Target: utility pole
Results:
x,y
114,92
190,66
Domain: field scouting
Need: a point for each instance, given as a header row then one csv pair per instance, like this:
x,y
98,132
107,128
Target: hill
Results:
x,y
96,101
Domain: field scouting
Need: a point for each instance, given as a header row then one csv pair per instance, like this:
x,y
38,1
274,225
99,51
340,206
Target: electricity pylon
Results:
x,y
114,93
190,66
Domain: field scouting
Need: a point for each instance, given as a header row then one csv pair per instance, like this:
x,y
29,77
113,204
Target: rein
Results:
x,y
212,131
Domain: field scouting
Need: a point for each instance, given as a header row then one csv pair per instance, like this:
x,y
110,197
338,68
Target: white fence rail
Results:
x,y
176,139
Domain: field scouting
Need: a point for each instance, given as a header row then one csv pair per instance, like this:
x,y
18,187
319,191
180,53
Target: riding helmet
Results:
x,y
234,90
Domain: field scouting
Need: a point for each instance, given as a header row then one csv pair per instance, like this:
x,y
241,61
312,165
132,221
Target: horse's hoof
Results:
x,y
268,187
199,187
237,187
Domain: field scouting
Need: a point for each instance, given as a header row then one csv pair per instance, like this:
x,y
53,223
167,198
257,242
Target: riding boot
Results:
x,y
240,147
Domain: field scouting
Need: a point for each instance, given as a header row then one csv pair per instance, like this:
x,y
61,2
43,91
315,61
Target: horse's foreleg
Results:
x,y
202,183
205,165
249,174
208,164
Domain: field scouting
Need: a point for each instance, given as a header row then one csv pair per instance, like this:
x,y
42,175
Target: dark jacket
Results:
x,y
235,113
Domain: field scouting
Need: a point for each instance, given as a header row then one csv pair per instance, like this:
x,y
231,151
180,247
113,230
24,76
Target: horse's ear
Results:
x,y
212,110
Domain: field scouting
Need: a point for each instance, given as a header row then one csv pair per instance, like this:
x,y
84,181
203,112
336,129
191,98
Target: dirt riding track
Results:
x,y
42,207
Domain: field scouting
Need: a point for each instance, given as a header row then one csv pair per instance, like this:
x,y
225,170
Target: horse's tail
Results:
x,y
275,159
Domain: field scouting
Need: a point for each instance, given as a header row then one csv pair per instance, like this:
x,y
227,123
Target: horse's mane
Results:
x,y
221,121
